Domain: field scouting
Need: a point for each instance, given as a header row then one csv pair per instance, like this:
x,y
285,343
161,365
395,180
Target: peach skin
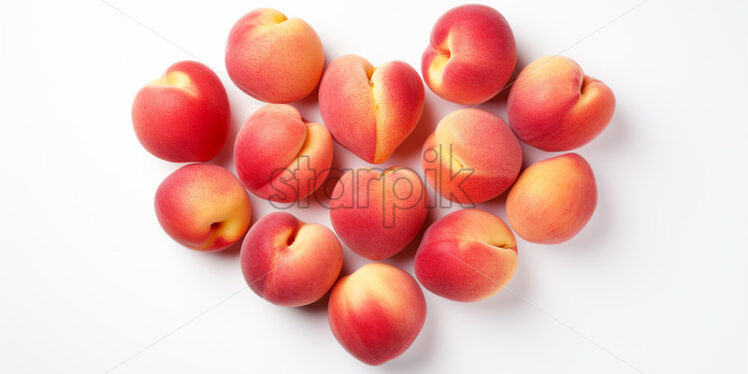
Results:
x,y
471,157
375,213
281,157
552,199
553,106
288,262
203,207
274,58
184,115
471,55
467,255
370,110
377,312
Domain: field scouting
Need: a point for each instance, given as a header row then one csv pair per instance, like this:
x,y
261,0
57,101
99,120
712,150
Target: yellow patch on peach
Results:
x,y
439,63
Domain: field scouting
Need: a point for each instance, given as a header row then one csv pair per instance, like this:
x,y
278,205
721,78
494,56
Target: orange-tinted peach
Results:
x,y
377,312
289,262
377,213
471,157
184,115
370,110
281,157
554,106
274,58
471,54
552,199
203,207
467,255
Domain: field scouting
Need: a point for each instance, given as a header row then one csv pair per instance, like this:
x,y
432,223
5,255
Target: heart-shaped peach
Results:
x,y
370,110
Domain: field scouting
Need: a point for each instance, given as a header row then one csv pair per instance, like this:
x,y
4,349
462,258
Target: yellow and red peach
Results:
x,y
471,157
471,54
184,115
274,58
370,110
377,312
288,262
552,199
467,255
375,213
281,157
203,207
554,106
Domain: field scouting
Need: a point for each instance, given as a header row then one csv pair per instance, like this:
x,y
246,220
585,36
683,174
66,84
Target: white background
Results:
x,y
655,282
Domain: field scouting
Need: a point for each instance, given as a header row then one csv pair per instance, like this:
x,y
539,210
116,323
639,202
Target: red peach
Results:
x,y
184,115
471,54
555,107
471,157
370,110
203,207
281,157
552,199
377,312
375,213
467,255
274,58
288,262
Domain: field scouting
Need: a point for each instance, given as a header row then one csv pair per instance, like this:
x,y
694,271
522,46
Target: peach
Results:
x,y
552,199
471,54
274,58
377,312
471,157
467,255
281,157
375,213
184,115
370,110
203,207
288,262
554,106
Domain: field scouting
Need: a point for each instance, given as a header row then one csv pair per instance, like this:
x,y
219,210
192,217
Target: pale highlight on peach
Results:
x,y
554,106
466,256
553,199
377,312
441,56
176,79
203,207
370,110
